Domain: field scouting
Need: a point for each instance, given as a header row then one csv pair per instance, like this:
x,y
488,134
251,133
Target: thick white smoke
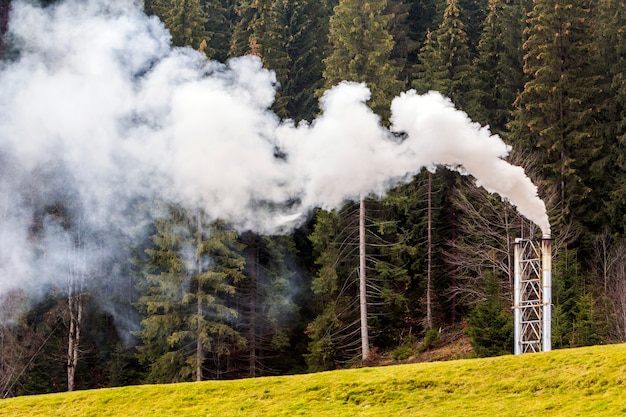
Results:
x,y
98,111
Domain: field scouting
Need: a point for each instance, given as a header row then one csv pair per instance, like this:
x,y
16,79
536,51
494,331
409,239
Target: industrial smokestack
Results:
x,y
546,291
517,294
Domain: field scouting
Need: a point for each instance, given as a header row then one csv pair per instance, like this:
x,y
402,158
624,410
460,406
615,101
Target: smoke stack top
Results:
x,y
99,112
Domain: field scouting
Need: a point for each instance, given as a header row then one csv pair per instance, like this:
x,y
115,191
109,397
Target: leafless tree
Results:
x,y
609,263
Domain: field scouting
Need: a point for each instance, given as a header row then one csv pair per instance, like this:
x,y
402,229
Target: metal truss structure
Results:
x,y
532,296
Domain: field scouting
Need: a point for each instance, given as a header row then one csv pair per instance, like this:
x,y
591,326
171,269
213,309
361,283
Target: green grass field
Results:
x,y
572,382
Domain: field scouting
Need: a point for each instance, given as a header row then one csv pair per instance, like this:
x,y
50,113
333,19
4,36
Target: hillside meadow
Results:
x,y
573,382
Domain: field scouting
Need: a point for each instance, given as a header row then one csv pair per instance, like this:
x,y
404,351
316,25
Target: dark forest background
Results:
x,y
201,301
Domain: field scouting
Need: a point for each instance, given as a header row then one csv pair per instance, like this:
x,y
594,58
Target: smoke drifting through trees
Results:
x,y
98,113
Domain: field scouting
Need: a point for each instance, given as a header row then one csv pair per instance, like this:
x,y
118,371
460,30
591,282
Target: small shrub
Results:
x,y
430,339
401,353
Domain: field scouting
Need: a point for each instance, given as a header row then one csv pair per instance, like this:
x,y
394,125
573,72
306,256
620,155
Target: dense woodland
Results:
x,y
199,300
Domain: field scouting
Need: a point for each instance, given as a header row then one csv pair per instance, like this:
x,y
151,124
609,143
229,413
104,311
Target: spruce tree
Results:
x,y
498,67
490,323
267,313
185,19
553,112
405,46
219,27
191,271
445,59
611,118
361,51
289,39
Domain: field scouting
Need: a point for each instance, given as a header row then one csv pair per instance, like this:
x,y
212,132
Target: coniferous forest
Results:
x,y
192,297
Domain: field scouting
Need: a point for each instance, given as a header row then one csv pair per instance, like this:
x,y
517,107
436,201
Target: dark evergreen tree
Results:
x,y
445,59
185,19
423,18
221,18
609,169
405,47
361,51
192,269
554,111
267,313
490,324
290,39
498,67
473,15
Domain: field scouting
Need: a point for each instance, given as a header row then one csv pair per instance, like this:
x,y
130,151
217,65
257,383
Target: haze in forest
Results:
x,y
99,115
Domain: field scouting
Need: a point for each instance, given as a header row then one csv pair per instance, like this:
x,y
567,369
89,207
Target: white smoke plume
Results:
x,y
98,111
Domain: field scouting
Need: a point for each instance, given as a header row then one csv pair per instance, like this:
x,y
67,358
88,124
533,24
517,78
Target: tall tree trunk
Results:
x,y
75,304
199,310
365,346
252,336
429,227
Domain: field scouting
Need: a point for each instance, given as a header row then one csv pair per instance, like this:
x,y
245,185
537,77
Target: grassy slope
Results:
x,y
574,382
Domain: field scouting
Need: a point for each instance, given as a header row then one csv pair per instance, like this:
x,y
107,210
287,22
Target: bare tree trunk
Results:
x,y
75,304
429,312
199,310
365,347
252,336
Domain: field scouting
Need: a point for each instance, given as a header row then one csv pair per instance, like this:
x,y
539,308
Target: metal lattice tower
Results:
x,y
532,296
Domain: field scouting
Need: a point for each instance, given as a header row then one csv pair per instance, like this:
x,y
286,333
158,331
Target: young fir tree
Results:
x,y
490,323
192,270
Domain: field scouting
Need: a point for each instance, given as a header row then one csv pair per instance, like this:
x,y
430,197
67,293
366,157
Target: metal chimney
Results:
x,y
546,290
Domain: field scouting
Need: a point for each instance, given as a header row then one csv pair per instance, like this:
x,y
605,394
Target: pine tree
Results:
x,y
490,324
286,36
554,111
218,27
405,46
361,50
267,312
611,123
191,271
445,59
498,66
185,19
